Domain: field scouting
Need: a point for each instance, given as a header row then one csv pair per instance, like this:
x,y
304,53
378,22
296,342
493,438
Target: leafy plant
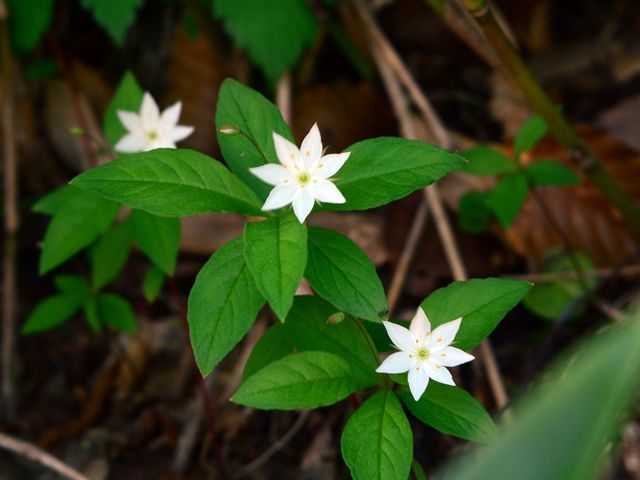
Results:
x,y
505,200
319,352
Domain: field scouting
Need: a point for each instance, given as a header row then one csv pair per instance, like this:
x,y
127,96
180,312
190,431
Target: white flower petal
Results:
x,y
398,362
452,357
159,143
179,132
272,173
421,327
130,143
401,337
330,164
149,113
443,335
303,203
311,148
326,191
418,380
280,196
286,151
438,373
169,117
130,120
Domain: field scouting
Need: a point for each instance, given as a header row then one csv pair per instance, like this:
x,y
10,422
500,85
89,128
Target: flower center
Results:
x,y
303,178
423,354
153,135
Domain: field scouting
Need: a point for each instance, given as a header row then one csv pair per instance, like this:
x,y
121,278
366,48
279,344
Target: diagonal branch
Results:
x,y
395,75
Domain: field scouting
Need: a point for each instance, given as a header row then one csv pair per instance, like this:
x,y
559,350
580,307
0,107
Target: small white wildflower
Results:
x,y
302,176
151,129
423,353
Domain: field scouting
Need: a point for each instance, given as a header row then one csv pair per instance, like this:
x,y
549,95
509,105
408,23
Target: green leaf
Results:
x,y
384,169
51,312
303,380
115,16
417,470
482,304
274,35
28,21
474,214
158,237
171,183
507,198
109,254
72,284
531,132
223,304
56,200
306,329
128,97
257,118
152,283
452,411
276,254
79,218
487,161
564,428
273,345
377,443
341,273
550,173
551,299
91,315
115,311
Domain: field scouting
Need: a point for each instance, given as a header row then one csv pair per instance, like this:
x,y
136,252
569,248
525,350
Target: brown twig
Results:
x,y
11,223
275,447
38,455
394,72
283,96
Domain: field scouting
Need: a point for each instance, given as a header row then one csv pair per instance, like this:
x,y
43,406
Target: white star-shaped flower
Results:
x,y
423,353
303,175
151,129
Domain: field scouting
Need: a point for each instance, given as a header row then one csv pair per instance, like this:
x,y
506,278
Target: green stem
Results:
x,y
579,152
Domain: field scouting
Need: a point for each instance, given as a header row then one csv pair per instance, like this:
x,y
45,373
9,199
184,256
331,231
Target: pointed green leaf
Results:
x,y
273,345
385,169
275,36
152,283
485,160
158,237
451,410
128,97
72,284
474,212
171,183
276,254
28,21
115,16
564,429
115,311
257,118
507,197
51,312
341,273
223,304
109,254
531,132
79,218
482,304
377,443
548,173
303,380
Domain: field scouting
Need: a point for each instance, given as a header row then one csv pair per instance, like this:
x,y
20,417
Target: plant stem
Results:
x,y
579,152
11,221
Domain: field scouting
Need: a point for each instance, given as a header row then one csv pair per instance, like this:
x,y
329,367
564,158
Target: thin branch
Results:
x,y
10,167
393,72
579,151
38,455
283,96
275,447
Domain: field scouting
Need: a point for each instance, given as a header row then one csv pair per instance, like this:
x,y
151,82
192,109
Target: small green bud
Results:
x,y
76,132
229,130
336,318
